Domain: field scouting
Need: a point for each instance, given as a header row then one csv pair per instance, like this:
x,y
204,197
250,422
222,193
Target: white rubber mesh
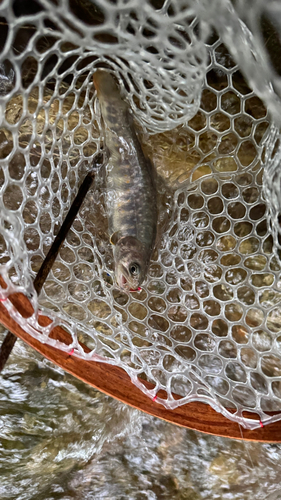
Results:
x,y
207,323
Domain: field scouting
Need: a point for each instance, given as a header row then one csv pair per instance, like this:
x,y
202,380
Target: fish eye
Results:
x,y
134,269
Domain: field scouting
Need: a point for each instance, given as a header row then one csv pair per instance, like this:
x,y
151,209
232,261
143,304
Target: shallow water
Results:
x,y
200,236
60,440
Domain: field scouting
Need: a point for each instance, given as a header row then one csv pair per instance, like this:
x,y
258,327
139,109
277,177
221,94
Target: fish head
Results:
x,y
131,263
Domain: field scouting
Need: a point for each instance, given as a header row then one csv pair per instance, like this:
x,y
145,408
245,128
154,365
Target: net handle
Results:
x,y
197,416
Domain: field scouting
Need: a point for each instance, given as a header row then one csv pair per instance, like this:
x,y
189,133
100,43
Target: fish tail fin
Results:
x,y
105,84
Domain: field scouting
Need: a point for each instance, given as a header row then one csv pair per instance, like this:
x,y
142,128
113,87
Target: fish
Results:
x,y
131,197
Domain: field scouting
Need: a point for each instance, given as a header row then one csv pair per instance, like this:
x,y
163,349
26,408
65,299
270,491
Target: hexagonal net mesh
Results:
x,y
206,323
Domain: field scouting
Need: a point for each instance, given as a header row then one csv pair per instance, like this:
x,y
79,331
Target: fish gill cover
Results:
x,y
206,324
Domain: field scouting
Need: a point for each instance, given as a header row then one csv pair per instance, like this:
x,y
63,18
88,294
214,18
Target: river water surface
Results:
x,y
61,439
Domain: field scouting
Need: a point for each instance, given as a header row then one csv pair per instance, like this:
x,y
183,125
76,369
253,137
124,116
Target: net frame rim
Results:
x,y
194,415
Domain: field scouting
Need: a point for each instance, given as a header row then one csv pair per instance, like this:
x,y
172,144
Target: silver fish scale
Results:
x,y
207,323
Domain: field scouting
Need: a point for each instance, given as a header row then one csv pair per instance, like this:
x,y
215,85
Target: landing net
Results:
x,y
206,324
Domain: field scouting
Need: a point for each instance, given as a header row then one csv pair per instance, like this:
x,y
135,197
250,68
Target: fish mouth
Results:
x,y
125,285
124,282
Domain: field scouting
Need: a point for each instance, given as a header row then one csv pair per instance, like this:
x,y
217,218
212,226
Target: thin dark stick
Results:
x,y
59,239
6,349
46,266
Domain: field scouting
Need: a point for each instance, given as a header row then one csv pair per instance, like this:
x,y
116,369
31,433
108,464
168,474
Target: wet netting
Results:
x,y
202,81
